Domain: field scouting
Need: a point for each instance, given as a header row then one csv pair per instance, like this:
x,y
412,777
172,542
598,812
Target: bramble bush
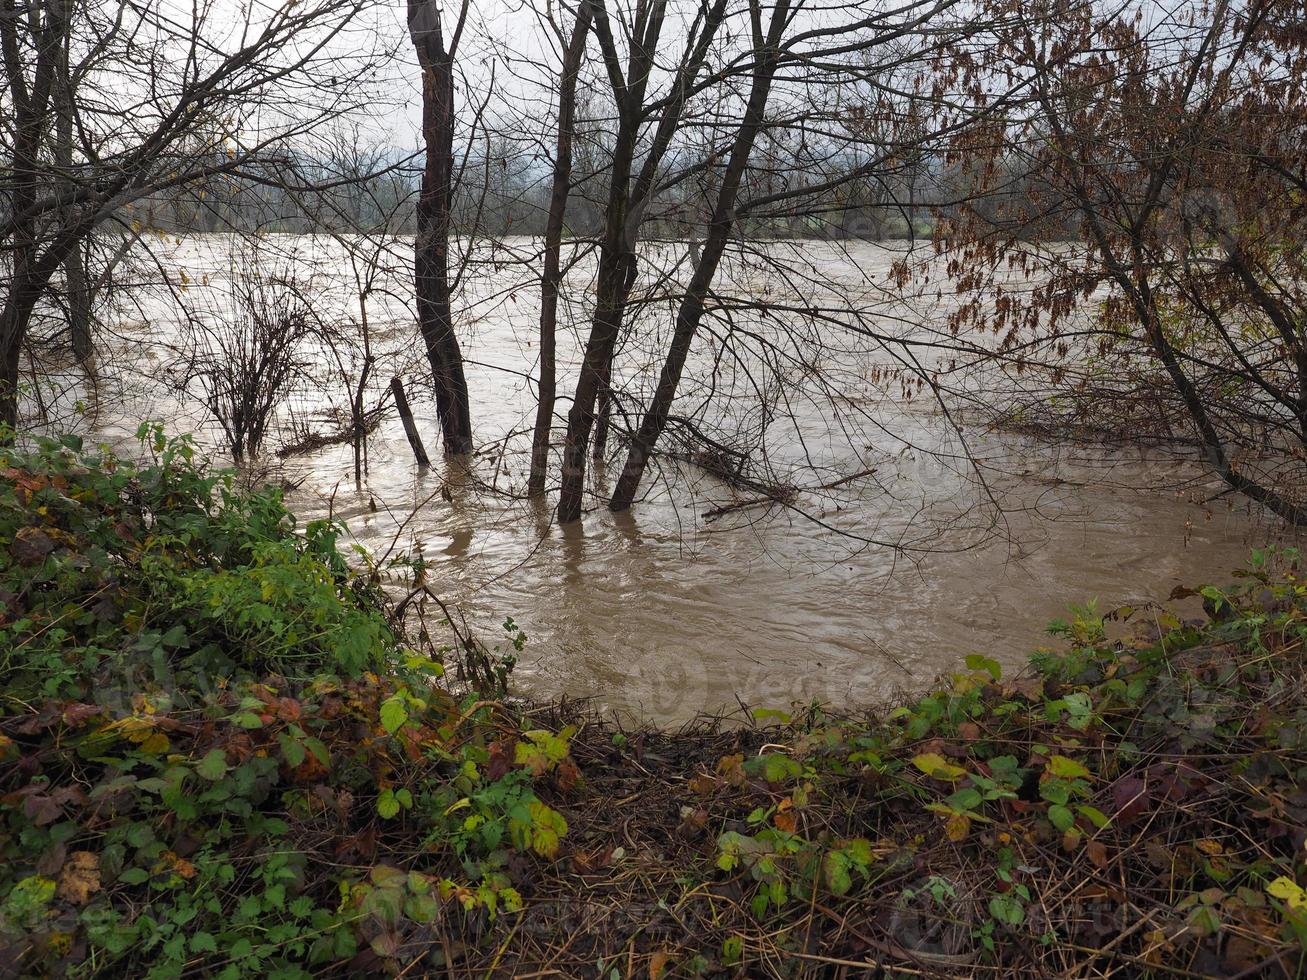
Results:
x,y
216,754
1155,779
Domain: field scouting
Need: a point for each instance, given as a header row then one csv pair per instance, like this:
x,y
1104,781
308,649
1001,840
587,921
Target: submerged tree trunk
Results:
x,y
618,239
551,277
626,200
431,246
598,350
691,309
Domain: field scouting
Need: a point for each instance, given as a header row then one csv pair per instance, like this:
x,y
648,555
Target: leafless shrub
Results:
x,y
249,365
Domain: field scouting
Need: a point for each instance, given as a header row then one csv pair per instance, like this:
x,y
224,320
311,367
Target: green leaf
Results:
x,y
1205,920
319,750
732,950
542,750
1094,815
549,828
965,799
291,750
989,665
394,713
203,942
837,873
1062,818
1054,791
858,850
1007,910
213,766
778,767
387,804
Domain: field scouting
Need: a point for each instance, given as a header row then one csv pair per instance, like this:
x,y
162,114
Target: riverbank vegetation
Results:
x,y
222,754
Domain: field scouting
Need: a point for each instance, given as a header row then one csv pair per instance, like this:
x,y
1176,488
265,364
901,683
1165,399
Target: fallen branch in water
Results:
x,y
321,440
769,499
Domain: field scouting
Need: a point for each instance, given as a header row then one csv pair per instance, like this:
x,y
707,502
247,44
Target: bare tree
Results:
x,y
628,194
247,365
141,81
767,54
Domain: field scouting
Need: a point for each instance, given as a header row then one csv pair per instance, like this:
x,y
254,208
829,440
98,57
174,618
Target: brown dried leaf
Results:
x,y
658,963
80,878
32,545
731,768
1097,852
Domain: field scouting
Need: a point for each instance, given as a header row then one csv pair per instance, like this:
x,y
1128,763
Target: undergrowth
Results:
x,y
211,735
219,757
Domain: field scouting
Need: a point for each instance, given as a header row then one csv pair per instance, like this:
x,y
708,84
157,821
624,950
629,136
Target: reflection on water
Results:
x,y
663,614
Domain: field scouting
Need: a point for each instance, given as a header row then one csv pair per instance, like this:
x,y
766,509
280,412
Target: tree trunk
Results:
x,y
431,247
8,387
76,280
551,277
617,256
603,410
79,305
31,270
691,309
598,358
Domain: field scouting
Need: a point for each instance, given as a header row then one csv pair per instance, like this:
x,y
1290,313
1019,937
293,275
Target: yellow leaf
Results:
x,y
156,744
658,963
937,767
1209,846
169,861
1288,891
957,826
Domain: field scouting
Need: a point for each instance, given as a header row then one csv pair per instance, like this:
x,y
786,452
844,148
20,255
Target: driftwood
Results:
x,y
320,440
410,428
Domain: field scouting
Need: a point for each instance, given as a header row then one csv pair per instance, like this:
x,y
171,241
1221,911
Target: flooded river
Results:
x,y
851,595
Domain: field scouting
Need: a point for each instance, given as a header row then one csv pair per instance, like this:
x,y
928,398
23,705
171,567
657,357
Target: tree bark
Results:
x,y
551,277
431,246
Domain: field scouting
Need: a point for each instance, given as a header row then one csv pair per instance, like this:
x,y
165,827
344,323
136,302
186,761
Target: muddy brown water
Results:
x,y
852,597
